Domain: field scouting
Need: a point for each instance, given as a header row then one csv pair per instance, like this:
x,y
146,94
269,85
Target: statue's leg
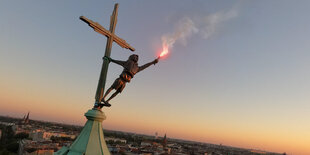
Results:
x,y
113,95
106,93
116,84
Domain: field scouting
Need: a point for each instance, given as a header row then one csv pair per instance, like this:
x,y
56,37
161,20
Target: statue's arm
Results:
x,y
122,63
148,65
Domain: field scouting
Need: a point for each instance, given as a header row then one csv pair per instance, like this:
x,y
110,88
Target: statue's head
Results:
x,y
134,57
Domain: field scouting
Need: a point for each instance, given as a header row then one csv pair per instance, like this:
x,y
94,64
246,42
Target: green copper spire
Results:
x,y
91,139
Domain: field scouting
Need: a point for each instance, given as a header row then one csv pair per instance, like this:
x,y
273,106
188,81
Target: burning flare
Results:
x,y
165,51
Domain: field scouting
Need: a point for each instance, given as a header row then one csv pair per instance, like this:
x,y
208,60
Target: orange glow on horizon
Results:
x,y
264,140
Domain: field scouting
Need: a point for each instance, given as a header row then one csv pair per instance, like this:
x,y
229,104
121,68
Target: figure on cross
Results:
x,y
130,69
130,66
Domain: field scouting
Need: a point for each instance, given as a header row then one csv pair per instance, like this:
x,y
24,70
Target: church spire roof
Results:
x,y
91,139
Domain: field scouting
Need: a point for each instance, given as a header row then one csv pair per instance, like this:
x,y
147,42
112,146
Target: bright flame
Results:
x,y
165,51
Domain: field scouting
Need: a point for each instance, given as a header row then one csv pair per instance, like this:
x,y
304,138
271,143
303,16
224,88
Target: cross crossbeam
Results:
x,y
98,28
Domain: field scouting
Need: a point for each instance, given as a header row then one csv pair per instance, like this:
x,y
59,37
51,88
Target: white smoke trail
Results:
x,y
206,26
211,22
185,28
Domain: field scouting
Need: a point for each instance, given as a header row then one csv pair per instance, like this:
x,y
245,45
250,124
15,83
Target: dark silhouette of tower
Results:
x,y
26,119
165,141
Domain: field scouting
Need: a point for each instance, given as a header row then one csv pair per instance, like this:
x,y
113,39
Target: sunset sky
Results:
x,y
238,73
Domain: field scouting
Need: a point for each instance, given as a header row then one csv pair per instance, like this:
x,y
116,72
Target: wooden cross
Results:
x,y
111,37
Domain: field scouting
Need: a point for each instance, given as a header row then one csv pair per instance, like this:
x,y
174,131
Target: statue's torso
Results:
x,y
130,69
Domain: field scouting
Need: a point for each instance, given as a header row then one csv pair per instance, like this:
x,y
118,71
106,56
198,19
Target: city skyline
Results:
x,y
239,76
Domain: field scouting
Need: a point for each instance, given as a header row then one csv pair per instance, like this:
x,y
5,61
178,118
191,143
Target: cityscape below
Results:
x,y
32,137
